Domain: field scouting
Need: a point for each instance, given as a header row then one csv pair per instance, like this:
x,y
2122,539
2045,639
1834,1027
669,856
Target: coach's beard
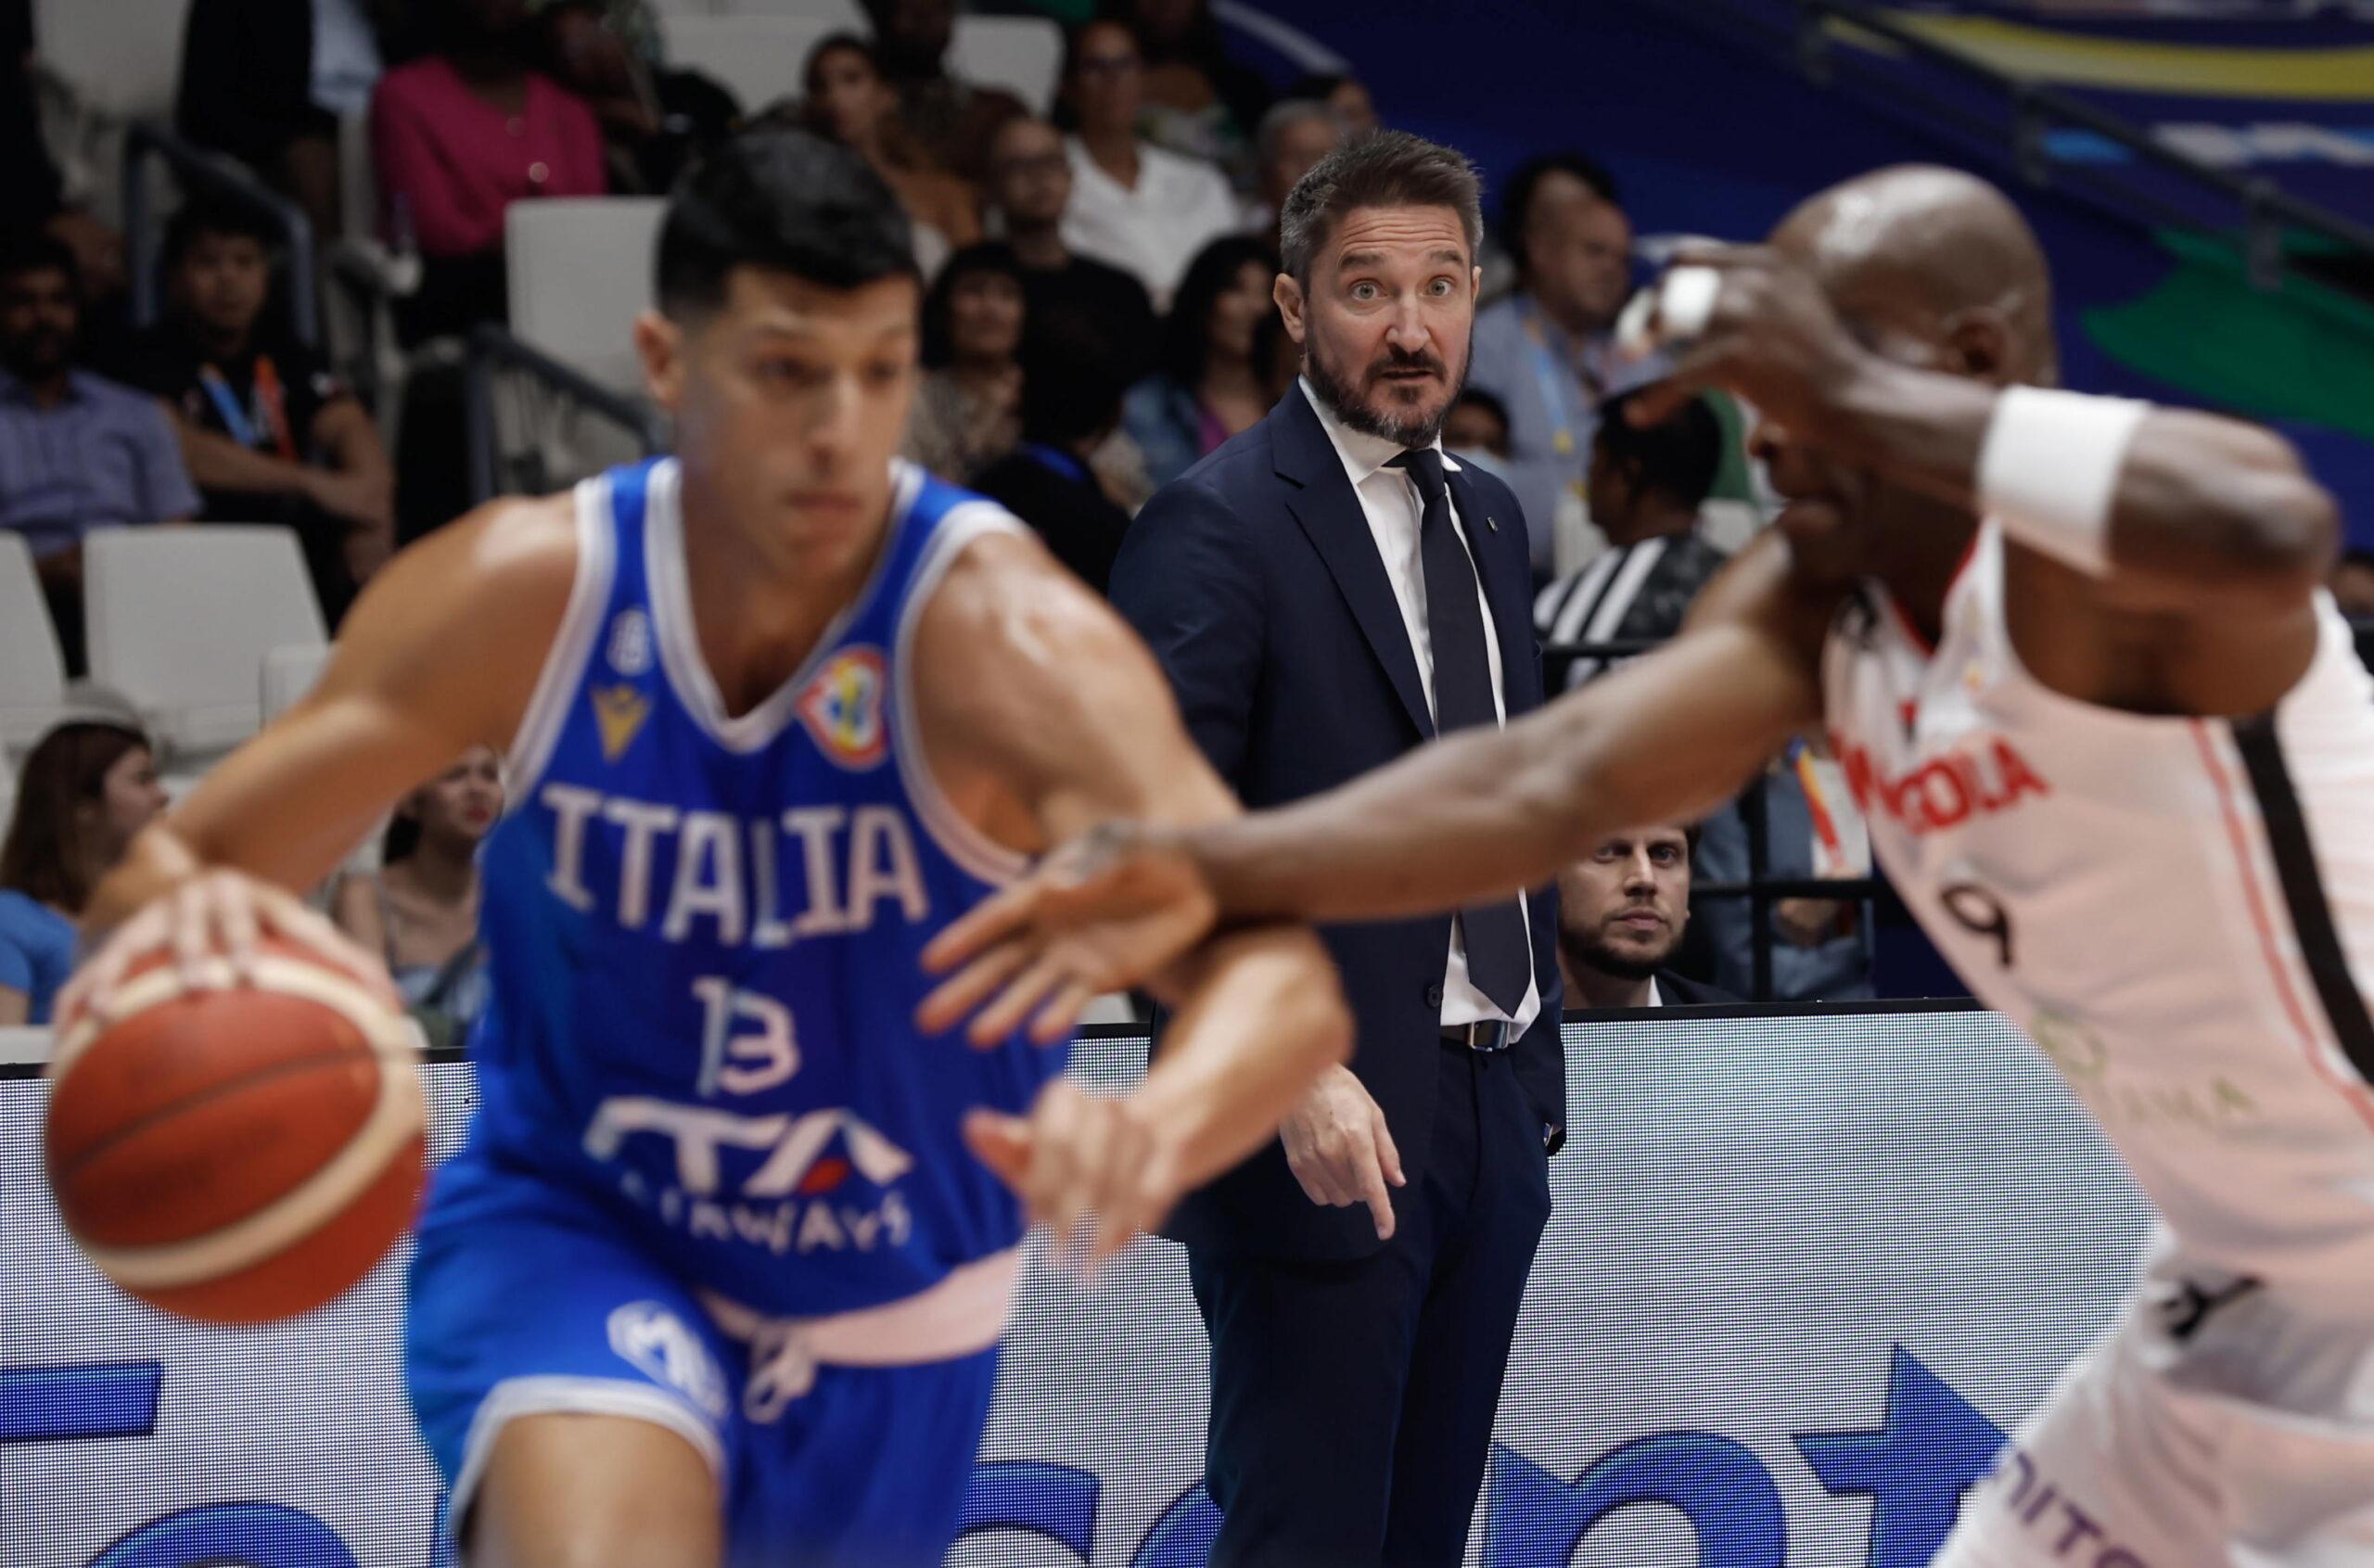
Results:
x,y
1347,404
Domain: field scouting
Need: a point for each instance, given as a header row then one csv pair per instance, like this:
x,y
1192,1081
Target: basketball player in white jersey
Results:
x,y
2118,756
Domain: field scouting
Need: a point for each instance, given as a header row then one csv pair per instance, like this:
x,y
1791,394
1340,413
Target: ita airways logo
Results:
x,y
662,1345
842,707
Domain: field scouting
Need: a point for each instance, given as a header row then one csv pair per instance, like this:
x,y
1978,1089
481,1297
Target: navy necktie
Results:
x,y
1498,956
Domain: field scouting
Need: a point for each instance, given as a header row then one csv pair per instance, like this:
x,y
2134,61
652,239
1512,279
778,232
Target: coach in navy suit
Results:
x,y
1325,592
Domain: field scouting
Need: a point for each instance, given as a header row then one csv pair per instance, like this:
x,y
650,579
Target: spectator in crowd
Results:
x,y
1646,487
31,190
77,451
1544,351
1209,385
1134,205
1820,947
268,434
950,122
1622,911
654,120
267,83
420,909
1477,430
1347,96
86,788
1071,401
1295,133
850,100
461,134
1199,102
1029,187
967,408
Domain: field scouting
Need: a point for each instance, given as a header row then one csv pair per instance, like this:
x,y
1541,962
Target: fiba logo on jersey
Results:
x,y
659,1342
630,649
842,707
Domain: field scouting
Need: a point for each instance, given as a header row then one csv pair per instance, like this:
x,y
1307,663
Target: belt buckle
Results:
x,y
1484,1035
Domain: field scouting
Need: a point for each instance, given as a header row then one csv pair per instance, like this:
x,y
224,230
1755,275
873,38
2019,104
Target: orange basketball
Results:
x,y
237,1155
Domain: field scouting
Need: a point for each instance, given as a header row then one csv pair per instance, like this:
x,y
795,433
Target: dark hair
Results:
x,y
1187,334
836,43
1516,196
1680,457
49,852
203,215
1476,397
36,250
989,256
786,201
1073,375
1381,168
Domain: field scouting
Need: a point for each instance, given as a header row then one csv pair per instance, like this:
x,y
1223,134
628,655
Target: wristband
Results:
x,y
2049,467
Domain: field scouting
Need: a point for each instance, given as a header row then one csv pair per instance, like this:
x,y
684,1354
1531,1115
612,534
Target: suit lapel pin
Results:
x,y
1491,522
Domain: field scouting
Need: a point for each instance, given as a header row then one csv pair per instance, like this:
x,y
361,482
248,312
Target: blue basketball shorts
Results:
x,y
526,1299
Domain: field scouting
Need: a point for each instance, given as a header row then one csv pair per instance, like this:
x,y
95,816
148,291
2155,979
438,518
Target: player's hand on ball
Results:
x,y
1112,909
1095,1171
1749,320
211,923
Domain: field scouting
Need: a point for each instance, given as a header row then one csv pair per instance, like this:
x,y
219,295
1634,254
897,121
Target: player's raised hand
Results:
x,y
211,923
1095,1171
1751,321
1110,910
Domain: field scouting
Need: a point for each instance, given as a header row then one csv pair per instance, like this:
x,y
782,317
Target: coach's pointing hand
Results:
x,y
1339,1150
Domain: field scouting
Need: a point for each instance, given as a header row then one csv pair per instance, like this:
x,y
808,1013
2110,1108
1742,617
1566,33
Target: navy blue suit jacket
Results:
x,y
1254,579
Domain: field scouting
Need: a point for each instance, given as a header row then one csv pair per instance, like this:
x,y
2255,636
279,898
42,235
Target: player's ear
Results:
x,y
1287,292
1978,344
660,343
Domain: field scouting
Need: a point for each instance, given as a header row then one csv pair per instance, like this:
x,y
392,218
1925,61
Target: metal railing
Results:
x,y
146,143
493,349
1812,46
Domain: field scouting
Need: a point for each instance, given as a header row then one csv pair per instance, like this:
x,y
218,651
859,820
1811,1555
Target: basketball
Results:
x,y
238,1154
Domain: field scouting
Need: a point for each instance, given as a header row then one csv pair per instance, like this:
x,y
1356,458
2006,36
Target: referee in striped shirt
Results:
x,y
1646,487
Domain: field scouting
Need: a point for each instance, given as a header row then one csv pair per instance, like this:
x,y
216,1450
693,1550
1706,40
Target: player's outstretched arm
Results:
x,y
1043,715
1479,815
439,655
2176,505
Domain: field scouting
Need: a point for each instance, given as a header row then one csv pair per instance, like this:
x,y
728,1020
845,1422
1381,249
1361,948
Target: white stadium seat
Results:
x,y
32,670
182,619
120,58
581,271
844,15
288,674
755,59
1023,55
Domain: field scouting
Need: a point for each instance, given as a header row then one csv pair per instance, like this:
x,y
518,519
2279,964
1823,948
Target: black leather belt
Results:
x,y
1490,1035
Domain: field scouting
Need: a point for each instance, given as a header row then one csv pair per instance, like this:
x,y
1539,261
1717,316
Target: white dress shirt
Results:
x,y
1152,231
1389,498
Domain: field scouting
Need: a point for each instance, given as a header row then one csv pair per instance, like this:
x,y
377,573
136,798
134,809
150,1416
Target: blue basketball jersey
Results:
x,y
704,932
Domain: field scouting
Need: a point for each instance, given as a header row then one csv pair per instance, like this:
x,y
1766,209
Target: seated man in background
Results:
x,y
77,451
1477,431
1295,133
950,121
1071,401
1646,487
1622,911
1029,188
1544,348
267,432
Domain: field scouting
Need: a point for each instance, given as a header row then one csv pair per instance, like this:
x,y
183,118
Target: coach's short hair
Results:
x,y
1381,168
784,202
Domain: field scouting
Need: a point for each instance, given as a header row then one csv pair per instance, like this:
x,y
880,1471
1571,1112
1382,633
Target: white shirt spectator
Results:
x,y
1152,232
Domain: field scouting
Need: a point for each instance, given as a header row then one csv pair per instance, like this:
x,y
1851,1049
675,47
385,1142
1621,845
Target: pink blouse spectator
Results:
x,y
458,160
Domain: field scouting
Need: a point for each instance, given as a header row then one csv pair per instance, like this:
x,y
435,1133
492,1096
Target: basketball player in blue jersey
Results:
x,y
720,1273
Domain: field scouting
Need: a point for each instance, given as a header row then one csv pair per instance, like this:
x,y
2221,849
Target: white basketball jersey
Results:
x,y
2179,911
